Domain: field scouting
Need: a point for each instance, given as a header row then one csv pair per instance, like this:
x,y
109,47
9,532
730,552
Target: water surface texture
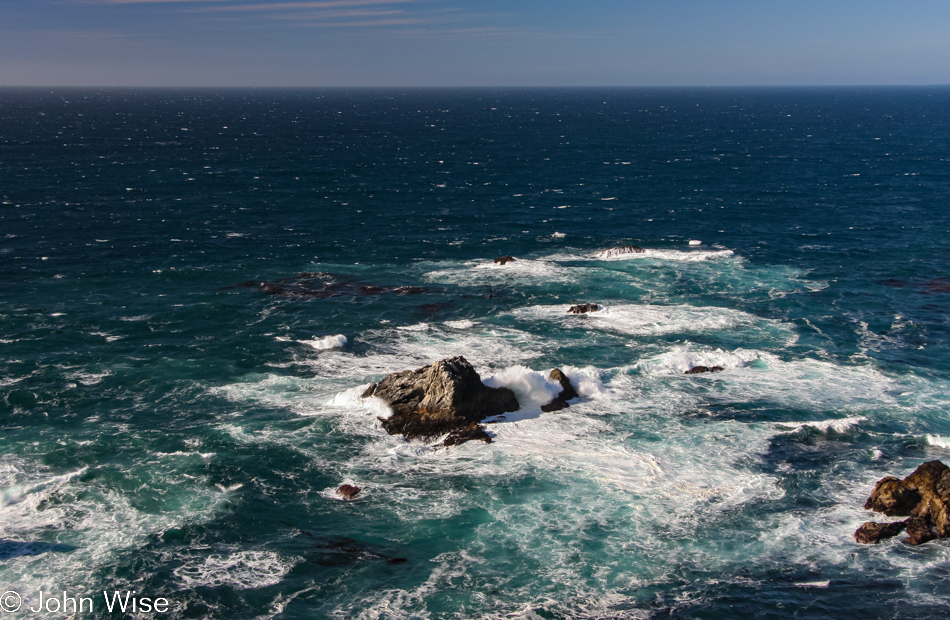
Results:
x,y
197,285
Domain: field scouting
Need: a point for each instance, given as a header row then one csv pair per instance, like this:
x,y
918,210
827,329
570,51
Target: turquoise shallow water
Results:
x,y
197,284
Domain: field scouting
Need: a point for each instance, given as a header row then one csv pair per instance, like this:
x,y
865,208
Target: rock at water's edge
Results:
x,y
348,491
924,495
695,370
583,308
872,533
440,398
501,260
567,392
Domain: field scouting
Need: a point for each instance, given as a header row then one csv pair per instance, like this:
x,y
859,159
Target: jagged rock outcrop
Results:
x,y
695,370
445,397
501,260
583,308
567,392
619,251
924,496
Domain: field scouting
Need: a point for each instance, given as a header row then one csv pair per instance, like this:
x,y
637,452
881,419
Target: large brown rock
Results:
x,y
932,481
893,497
440,398
924,496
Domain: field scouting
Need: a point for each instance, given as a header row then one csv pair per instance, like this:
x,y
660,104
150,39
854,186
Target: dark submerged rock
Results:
x,y
695,370
501,260
583,308
440,398
348,491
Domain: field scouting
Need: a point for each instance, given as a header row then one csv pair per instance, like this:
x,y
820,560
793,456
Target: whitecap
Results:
x,y
681,359
644,320
839,426
692,256
327,342
939,441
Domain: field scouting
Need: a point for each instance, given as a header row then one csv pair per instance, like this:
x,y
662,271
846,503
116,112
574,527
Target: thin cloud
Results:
x,y
379,22
335,14
321,4
150,1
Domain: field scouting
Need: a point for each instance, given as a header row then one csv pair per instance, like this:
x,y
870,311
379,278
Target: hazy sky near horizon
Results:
x,y
473,43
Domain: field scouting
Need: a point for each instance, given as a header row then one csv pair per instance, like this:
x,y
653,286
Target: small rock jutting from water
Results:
x,y
501,260
567,392
583,308
695,370
348,491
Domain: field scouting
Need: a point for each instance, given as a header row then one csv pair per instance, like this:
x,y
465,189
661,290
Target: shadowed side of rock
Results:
x,y
440,398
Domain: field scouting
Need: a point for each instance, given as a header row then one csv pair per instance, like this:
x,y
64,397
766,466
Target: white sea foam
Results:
x,y
939,441
241,570
520,269
397,349
839,426
691,256
327,342
353,399
64,527
683,358
89,378
644,320
18,492
462,324
531,388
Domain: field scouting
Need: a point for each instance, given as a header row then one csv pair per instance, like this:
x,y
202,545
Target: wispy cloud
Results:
x,y
338,14
319,4
402,21
260,6
149,1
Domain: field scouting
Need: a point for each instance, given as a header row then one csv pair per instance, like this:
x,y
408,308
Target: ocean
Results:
x,y
198,285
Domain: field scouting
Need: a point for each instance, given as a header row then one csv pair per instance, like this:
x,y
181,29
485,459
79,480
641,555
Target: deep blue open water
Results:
x,y
196,285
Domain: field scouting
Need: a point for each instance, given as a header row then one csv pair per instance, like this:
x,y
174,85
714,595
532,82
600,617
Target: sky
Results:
x,y
449,43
